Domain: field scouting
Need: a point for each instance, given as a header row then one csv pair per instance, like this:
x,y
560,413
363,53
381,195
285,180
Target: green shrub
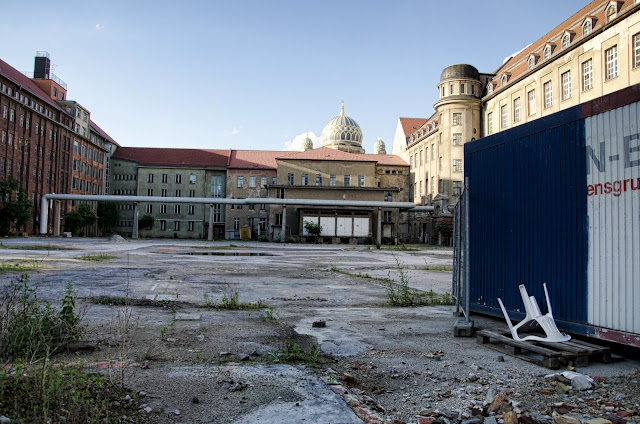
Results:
x,y
263,238
31,328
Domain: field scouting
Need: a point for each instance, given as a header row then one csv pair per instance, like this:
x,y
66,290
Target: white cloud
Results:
x,y
98,27
236,130
295,145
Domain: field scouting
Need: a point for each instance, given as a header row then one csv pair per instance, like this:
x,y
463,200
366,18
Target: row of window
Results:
x,y
462,89
304,180
177,209
178,178
252,180
87,152
124,177
25,100
164,192
251,206
89,170
419,187
586,67
262,224
87,186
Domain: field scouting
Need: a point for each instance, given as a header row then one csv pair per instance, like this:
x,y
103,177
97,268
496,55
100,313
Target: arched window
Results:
x,y
531,63
587,26
566,39
349,136
547,52
504,80
489,88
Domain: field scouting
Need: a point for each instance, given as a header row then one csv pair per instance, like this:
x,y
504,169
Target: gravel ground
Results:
x,y
194,363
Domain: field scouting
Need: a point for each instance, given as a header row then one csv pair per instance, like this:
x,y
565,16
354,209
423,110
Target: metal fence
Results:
x,y
460,285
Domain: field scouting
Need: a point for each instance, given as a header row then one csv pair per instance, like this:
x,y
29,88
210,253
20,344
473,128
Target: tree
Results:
x,y
146,222
313,228
108,215
15,212
442,229
80,219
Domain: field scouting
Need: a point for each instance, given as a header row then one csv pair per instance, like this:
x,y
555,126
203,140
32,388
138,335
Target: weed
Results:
x,y
27,247
96,258
30,328
7,268
111,300
268,314
331,379
401,296
428,267
230,302
351,274
293,353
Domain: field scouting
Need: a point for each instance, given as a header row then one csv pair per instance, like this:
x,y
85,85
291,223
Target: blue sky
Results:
x,y
257,74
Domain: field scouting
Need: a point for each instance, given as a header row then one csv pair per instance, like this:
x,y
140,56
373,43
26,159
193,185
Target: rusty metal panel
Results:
x,y
613,207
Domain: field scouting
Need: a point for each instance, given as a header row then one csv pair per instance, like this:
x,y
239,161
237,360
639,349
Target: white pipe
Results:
x,y
44,210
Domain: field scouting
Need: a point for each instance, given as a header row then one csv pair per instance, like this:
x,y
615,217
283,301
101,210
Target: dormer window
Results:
x,y
504,79
489,88
531,62
587,27
547,52
611,12
566,40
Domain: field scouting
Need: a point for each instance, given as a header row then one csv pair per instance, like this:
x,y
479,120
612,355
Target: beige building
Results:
x,y
594,52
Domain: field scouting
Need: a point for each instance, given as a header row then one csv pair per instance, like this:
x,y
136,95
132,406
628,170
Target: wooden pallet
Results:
x,y
549,355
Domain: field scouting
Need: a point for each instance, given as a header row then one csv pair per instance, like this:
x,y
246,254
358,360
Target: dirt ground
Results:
x,y
151,305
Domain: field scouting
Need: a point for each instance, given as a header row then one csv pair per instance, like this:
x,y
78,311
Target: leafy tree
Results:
x,y
15,212
313,228
108,215
146,222
79,219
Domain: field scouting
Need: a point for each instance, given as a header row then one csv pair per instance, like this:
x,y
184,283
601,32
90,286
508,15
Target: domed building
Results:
x,y
307,144
379,148
342,133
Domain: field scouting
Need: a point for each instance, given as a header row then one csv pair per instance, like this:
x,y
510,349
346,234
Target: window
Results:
x,y
516,110
163,225
290,179
421,191
280,193
149,192
176,225
252,206
318,180
440,163
305,179
165,178
263,206
504,80
489,88
192,209
457,165
347,180
278,219
489,122
178,193
176,209
388,216
503,116
274,180
262,225
263,182
191,225
150,178
252,181
192,193
192,178
75,143
12,115
636,51
531,101
178,178
610,12
421,156
163,208
566,40
587,26
457,119
531,63
457,188
548,94
236,224
163,192
451,89
240,183
149,208
4,112
457,141
388,196
461,88
473,89
216,186
360,180
332,180
547,52
611,62
566,85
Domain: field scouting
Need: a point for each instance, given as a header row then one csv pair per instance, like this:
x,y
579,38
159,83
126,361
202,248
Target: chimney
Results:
x,y
42,67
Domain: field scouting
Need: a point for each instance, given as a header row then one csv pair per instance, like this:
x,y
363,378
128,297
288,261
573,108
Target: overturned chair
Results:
x,y
533,315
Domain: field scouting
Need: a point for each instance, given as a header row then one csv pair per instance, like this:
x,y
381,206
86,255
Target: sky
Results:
x,y
263,74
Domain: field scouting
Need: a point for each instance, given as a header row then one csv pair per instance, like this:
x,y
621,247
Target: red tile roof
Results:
x,y
25,82
254,159
409,125
199,158
326,153
100,131
517,65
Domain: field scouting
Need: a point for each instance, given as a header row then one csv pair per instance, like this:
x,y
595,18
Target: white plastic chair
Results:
x,y
546,322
